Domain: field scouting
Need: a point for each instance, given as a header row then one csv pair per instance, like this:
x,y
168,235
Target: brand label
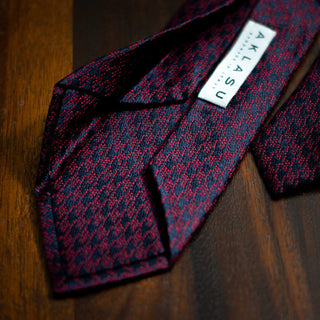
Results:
x,y
234,69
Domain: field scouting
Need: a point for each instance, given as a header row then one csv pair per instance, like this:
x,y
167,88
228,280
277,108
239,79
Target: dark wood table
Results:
x,y
255,257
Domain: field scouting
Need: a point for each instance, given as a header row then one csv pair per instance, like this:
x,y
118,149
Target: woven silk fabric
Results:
x,y
287,151
132,162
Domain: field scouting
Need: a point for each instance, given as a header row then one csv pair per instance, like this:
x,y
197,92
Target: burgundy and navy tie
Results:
x,y
132,161
287,151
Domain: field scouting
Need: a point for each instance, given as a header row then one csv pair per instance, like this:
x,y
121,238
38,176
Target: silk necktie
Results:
x,y
132,161
287,151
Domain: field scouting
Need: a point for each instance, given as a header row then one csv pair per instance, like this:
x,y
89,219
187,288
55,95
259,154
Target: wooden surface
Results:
x,y
255,258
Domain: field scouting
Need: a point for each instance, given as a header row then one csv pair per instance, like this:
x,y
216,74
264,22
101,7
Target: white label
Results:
x,y
234,69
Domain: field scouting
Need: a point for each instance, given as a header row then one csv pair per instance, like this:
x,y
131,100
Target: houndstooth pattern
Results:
x,y
287,151
132,161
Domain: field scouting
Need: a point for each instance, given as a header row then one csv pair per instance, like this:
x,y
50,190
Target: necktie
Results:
x,y
287,151
132,161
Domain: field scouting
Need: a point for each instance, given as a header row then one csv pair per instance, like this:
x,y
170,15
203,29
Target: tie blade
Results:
x,y
287,151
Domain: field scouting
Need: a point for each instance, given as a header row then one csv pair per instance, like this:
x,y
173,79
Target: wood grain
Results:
x,y
254,258
37,40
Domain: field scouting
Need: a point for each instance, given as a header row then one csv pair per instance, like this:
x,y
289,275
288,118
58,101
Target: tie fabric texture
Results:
x,y
132,161
287,151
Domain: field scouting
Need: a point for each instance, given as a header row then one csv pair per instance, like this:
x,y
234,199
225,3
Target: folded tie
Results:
x,y
287,151
132,161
